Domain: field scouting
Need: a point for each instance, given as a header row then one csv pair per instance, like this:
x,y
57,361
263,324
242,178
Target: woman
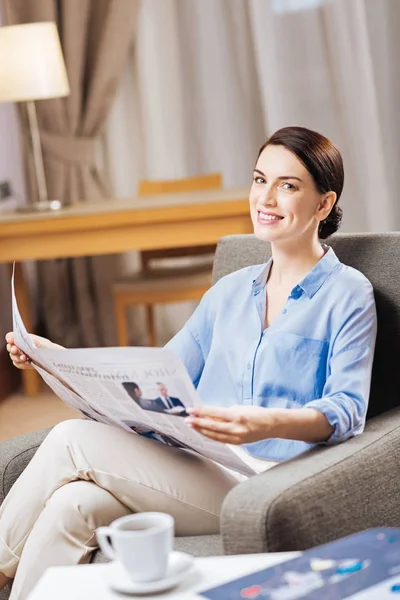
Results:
x,y
281,355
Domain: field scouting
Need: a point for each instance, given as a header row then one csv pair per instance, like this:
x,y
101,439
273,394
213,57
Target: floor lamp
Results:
x,y
32,68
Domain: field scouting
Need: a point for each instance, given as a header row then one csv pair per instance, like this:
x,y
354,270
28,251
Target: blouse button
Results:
x,y
284,311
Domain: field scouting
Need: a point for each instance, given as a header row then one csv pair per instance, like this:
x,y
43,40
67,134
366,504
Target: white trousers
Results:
x,y
85,475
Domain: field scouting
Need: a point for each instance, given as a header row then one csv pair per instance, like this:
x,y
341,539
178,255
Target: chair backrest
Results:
x,y
377,256
211,181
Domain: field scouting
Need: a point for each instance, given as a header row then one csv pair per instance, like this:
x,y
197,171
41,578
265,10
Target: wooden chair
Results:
x,y
158,284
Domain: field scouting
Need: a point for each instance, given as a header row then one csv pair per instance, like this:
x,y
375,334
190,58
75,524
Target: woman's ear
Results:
x,y
326,204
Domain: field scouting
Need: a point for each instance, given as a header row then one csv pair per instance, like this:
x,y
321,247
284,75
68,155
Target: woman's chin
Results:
x,y
267,233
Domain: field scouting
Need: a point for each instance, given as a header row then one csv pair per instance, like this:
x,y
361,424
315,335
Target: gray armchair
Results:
x,y
327,492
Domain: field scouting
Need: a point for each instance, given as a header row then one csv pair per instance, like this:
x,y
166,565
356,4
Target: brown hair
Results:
x,y
322,160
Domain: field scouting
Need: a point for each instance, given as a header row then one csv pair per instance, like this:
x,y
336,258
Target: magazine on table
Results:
x,y
142,390
361,566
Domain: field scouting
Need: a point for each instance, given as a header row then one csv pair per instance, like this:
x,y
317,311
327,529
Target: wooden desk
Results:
x,y
115,226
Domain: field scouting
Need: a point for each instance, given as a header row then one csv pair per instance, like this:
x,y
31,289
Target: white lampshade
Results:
x,y
31,63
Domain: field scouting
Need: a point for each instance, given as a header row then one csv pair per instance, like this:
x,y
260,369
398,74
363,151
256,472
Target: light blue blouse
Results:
x,y
317,353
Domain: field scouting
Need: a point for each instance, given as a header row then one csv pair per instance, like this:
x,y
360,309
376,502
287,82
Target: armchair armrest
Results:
x,y
324,494
15,454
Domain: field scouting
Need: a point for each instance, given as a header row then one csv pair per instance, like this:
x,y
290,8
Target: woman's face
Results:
x,y
285,204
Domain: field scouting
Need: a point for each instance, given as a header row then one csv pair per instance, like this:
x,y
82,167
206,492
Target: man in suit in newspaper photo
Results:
x,y
163,403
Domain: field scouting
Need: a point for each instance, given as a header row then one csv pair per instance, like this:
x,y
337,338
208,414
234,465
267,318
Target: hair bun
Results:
x,y
331,224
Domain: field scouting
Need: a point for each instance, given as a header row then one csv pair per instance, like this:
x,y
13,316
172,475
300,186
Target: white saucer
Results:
x,y
180,566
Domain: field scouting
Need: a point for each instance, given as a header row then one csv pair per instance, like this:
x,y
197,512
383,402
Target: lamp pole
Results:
x,y
43,204
37,152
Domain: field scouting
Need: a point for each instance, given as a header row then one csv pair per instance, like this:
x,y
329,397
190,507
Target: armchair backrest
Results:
x,y
377,256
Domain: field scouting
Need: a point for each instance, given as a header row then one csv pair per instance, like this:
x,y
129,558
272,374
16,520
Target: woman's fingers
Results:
x,y
215,412
19,359
24,363
15,352
219,426
10,337
225,438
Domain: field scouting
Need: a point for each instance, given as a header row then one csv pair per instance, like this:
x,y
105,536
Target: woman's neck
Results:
x,y
291,264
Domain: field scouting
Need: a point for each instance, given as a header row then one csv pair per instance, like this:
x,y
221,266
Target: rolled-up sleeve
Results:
x,y
346,392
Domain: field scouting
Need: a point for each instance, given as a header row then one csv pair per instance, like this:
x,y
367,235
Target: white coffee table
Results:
x,y
87,582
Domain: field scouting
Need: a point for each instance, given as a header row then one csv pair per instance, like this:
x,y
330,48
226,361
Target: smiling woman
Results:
x,y
281,355
308,190
304,323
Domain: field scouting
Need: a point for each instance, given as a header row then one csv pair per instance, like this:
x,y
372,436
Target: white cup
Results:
x,y
141,542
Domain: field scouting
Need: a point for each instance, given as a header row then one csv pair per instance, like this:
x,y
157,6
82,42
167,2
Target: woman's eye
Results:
x,y
259,180
288,186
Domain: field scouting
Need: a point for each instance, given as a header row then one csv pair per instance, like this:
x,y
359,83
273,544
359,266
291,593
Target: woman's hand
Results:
x,y
245,424
233,425
19,359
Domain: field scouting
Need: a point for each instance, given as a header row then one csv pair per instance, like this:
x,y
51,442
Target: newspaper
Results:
x,y
142,390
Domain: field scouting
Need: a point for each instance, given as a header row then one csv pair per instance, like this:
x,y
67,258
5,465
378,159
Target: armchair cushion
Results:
x,y
319,496
15,454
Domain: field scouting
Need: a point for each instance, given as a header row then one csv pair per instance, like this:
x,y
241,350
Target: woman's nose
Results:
x,y
268,196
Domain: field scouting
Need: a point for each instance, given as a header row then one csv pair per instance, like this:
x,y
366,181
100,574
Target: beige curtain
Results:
x,y
75,304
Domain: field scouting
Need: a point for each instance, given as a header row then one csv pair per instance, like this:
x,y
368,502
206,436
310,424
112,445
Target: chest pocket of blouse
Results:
x,y
298,365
